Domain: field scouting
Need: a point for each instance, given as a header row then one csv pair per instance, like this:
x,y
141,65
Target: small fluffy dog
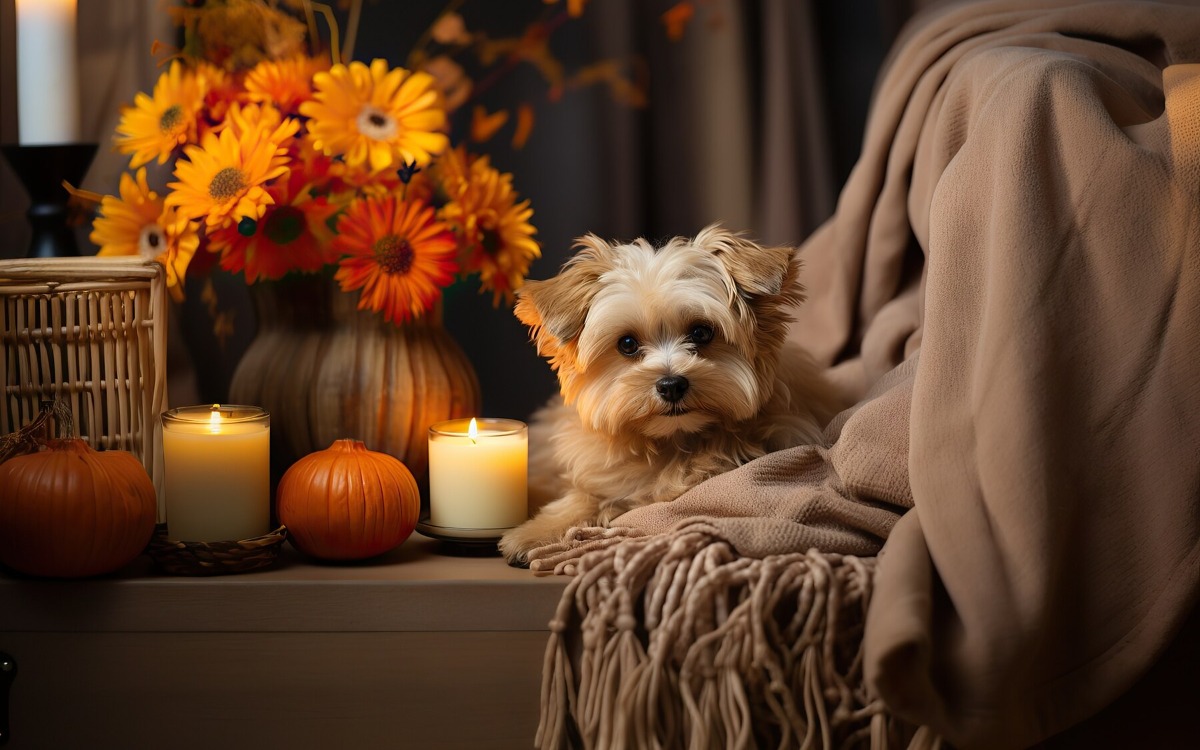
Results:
x,y
673,368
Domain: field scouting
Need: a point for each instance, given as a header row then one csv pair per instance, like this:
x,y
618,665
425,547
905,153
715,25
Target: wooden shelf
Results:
x,y
413,588
413,649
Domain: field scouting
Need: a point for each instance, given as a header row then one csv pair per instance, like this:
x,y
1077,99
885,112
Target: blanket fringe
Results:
x,y
562,558
683,643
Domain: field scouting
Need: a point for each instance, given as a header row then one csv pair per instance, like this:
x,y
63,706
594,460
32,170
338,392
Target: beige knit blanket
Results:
x,y
1011,288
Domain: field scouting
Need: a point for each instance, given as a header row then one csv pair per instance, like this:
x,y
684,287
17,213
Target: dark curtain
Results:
x,y
754,119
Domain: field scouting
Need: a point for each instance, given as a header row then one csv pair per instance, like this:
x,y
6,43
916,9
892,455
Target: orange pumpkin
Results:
x,y
347,502
68,511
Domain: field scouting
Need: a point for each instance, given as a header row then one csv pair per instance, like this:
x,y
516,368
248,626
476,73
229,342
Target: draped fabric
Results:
x,y
1015,259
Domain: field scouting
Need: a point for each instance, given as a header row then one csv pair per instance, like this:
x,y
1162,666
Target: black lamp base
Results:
x,y
42,170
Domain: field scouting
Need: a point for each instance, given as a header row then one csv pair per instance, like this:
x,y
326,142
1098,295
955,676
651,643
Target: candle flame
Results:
x,y
473,430
214,419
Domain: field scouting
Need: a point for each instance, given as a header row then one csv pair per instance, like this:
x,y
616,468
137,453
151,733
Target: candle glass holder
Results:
x,y
478,481
217,478
42,171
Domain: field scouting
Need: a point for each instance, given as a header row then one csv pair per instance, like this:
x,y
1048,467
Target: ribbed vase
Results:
x,y
327,371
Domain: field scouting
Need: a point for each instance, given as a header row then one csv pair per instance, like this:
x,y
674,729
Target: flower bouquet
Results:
x,y
286,158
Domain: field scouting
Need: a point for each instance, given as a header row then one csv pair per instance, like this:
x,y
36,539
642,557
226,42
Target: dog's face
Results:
x,y
661,341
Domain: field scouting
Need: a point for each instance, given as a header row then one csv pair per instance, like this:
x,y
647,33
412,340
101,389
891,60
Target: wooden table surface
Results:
x,y
413,649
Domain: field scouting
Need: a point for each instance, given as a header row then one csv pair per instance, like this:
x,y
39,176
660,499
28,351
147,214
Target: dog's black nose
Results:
x,y
671,387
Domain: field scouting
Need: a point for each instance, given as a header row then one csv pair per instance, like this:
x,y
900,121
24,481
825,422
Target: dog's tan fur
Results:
x,y
609,442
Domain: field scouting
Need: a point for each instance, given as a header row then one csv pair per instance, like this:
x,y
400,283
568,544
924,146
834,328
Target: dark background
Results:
x,y
591,165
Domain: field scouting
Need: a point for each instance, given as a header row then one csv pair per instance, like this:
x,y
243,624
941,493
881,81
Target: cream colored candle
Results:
x,y
478,473
47,73
217,472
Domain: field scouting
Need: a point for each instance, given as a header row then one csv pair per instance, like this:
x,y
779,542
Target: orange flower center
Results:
x,y
226,184
394,254
171,118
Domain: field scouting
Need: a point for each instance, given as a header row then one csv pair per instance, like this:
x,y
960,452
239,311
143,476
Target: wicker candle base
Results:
x,y
214,558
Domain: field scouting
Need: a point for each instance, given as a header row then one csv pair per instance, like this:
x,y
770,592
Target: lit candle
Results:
x,y
217,472
478,473
47,74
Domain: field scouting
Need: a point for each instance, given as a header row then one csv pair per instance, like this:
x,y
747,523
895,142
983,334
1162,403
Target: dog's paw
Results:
x,y
516,544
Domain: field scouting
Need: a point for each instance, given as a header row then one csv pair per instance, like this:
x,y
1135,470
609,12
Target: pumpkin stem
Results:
x,y
58,419
31,437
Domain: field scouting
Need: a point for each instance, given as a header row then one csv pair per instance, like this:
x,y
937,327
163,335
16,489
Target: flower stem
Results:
x,y
335,52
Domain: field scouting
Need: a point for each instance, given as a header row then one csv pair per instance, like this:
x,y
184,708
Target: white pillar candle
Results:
x,y
47,73
217,473
478,473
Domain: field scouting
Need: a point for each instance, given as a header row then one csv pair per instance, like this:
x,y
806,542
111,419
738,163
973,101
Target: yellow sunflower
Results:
x,y
138,223
491,225
224,178
156,125
376,116
397,252
285,83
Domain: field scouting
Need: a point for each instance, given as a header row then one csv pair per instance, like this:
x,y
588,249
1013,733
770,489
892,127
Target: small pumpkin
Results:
x,y
348,502
68,511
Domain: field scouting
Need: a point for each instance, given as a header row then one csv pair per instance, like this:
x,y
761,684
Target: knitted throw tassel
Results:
x,y
684,643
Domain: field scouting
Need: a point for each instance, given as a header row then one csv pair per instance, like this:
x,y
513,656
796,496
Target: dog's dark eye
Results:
x,y
627,345
701,333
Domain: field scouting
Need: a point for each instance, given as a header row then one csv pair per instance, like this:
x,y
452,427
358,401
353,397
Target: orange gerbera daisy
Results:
x,y
224,178
156,125
292,235
138,223
397,253
492,226
284,83
385,118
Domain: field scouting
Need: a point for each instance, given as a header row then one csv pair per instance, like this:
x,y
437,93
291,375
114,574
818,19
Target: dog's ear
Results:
x,y
557,307
756,270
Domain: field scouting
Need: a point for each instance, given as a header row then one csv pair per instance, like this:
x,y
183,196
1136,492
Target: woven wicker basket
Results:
x,y
93,332
214,558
